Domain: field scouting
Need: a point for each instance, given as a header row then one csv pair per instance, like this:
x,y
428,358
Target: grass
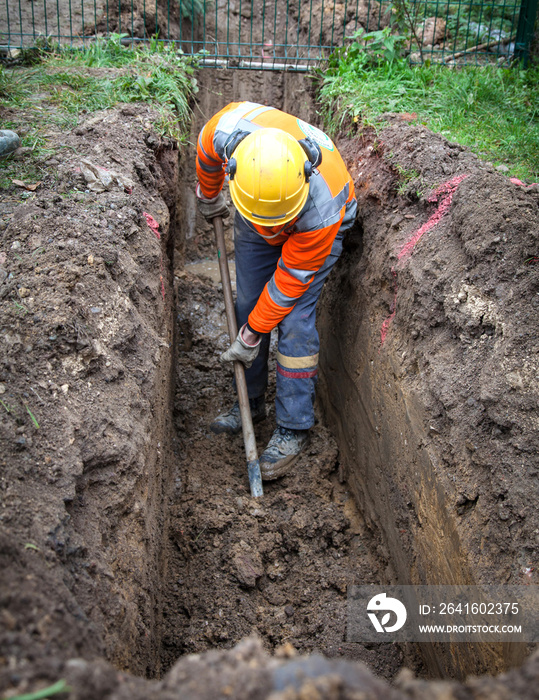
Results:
x,y
494,111
49,692
69,83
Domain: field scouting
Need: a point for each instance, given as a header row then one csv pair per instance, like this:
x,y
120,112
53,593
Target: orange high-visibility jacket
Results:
x,y
307,240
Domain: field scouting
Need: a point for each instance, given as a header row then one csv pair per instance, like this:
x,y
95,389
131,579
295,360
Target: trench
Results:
x,y
157,552
277,567
145,546
280,567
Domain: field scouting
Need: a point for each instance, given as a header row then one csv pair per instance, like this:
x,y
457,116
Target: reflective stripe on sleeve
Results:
x,y
278,297
209,169
303,276
202,152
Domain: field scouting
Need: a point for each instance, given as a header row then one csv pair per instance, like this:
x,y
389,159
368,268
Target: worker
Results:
x,y
294,200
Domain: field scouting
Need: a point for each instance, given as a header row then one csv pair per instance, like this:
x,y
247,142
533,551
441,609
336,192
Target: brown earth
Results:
x,y
437,422
128,536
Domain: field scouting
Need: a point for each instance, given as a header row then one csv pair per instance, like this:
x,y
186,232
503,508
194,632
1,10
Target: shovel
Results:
x,y
253,465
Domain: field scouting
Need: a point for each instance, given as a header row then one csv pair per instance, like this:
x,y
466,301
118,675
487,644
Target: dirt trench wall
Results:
x,y
429,357
85,371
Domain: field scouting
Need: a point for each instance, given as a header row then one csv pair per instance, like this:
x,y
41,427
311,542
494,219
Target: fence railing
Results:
x,y
277,34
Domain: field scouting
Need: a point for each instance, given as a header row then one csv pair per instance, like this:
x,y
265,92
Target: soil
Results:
x,y
279,567
457,304
86,341
127,534
430,359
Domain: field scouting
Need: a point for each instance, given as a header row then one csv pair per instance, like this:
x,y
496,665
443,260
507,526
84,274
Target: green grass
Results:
x,y
494,111
68,84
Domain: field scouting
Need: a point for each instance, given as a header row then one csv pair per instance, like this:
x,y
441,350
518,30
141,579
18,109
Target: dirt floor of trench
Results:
x,y
278,566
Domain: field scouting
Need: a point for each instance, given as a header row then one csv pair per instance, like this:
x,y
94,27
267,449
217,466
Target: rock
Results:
x,y
9,142
247,564
434,31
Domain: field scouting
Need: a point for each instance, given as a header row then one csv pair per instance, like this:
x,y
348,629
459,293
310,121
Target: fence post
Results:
x,y
526,25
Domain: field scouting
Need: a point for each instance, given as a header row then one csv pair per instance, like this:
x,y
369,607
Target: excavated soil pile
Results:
x,y
127,534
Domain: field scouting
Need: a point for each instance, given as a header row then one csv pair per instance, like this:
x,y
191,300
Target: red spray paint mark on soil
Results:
x,y
447,190
152,223
516,181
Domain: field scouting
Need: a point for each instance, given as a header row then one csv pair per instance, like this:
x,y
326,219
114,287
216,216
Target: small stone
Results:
x,y
9,142
16,245
247,566
90,259
2,388
96,309
503,514
289,610
502,168
24,292
65,388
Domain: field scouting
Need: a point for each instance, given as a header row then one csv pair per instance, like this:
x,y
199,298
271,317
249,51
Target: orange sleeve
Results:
x,y
209,166
302,256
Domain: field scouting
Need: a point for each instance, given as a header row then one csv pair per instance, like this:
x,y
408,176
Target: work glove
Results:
x,y
242,351
210,208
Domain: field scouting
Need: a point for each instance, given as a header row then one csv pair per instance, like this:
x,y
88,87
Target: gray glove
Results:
x,y
210,208
240,350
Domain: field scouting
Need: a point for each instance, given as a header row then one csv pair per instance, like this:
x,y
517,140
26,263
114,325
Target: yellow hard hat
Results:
x,y
269,177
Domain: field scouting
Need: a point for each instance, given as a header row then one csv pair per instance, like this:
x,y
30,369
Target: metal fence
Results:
x,y
277,34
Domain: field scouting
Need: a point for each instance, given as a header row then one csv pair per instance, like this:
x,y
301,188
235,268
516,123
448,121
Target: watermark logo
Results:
x,y
422,613
381,603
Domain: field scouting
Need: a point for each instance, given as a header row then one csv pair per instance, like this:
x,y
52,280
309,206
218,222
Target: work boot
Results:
x,y
281,452
230,421
9,142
